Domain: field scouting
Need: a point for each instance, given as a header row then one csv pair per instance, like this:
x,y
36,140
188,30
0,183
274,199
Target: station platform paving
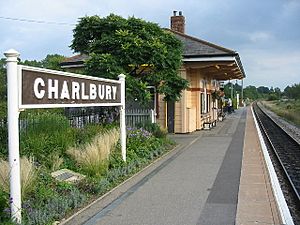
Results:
x,y
213,177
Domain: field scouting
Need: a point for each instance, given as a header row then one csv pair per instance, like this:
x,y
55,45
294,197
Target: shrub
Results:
x,y
272,97
28,175
4,175
154,129
44,134
56,160
4,216
3,140
86,134
92,157
54,208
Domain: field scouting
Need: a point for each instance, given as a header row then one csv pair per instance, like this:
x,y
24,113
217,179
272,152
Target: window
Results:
x,y
203,110
207,102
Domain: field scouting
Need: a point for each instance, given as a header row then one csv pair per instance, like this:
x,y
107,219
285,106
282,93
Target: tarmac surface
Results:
x,y
197,183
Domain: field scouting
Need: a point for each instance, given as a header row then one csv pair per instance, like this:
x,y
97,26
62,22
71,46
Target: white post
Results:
x,y
122,117
237,101
13,133
152,115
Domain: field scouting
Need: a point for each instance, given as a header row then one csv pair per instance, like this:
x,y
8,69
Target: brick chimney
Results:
x,y
178,22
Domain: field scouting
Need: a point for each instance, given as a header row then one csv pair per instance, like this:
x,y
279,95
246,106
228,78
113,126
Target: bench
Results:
x,y
208,122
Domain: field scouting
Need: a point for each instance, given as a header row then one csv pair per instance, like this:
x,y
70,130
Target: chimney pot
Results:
x,y
174,13
180,13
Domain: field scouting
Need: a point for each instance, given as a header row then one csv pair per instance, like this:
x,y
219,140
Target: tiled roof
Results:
x,y
194,47
75,60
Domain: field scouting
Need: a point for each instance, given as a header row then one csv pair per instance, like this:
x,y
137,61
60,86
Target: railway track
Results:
x,y
285,149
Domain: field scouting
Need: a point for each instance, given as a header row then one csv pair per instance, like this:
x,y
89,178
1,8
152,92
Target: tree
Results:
x,y
2,88
263,90
2,80
237,89
293,91
52,61
251,92
147,54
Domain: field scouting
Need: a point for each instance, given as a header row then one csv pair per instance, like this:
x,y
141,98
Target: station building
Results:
x,y
205,66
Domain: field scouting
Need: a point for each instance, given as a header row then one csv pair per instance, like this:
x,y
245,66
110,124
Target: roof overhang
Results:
x,y
219,68
72,66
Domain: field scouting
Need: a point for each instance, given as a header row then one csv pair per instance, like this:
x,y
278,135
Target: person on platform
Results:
x,y
229,105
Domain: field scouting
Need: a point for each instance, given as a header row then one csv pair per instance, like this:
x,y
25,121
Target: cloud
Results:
x,y
260,36
272,68
54,10
291,8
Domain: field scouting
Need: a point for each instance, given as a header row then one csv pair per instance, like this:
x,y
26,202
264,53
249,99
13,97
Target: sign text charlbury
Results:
x,y
66,90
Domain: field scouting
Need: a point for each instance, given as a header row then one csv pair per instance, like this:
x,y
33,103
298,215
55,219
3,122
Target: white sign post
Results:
x,y
30,87
122,117
13,133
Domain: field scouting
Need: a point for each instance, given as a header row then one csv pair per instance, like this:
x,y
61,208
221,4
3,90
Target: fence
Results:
x,y
3,122
138,116
79,120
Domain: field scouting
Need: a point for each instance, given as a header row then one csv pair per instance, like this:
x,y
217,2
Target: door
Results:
x,y
171,116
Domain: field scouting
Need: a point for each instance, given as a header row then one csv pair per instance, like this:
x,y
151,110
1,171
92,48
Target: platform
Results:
x,y
214,177
256,202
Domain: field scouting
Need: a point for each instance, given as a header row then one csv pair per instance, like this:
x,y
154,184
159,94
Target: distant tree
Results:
x,y
277,92
147,54
274,94
293,91
236,89
2,88
251,92
34,63
52,61
288,92
263,90
2,80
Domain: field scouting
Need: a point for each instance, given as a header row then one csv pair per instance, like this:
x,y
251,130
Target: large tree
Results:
x,y
147,54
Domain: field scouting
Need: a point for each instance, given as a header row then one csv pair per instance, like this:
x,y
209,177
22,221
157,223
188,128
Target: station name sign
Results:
x,y
41,88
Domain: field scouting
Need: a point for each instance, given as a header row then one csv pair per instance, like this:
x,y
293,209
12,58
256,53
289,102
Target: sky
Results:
x,y
266,33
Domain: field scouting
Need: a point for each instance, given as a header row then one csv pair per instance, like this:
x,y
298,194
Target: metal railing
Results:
x,y
138,116
133,117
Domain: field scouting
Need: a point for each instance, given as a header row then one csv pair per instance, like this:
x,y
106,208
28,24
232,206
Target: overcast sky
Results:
x,y
266,33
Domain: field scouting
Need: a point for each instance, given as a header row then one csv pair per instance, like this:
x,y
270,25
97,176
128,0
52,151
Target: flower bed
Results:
x,y
50,200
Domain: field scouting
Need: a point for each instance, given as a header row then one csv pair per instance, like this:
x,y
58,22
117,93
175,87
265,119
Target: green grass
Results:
x,y
28,175
288,109
93,156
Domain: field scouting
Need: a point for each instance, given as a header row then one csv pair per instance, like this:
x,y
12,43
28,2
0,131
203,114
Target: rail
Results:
x,y
285,148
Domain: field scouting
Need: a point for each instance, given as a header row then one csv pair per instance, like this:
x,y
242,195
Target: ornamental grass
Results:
x,y
93,157
28,175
